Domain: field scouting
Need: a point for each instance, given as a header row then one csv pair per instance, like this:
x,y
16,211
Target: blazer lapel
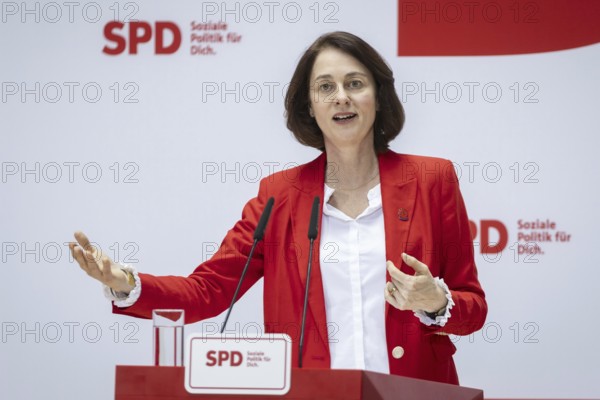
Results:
x,y
310,183
398,193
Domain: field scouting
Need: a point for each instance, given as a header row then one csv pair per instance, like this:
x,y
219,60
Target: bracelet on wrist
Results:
x,y
434,315
130,278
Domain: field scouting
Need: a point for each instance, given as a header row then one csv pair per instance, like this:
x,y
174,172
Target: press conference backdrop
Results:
x,y
148,125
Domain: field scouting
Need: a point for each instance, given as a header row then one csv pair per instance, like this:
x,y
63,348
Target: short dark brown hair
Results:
x,y
390,115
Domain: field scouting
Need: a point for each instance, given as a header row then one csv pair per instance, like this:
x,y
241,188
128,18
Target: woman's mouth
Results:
x,y
344,117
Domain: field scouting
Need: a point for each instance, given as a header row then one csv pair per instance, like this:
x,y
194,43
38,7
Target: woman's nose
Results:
x,y
341,96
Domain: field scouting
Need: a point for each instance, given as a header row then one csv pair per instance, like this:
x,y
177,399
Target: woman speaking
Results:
x,y
393,272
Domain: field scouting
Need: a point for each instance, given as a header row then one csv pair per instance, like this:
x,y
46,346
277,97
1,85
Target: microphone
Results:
x,y
262,222
259,233
312,235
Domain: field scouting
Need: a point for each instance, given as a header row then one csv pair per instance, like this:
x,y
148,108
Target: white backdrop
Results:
x,y
154,155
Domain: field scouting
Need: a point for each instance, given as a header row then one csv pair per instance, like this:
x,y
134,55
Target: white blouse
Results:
x,y
352,258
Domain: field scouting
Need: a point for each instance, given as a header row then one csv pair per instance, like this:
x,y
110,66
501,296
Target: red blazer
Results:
x,y
424,215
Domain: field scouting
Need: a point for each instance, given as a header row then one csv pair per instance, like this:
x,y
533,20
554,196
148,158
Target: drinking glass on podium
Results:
x,y
168,337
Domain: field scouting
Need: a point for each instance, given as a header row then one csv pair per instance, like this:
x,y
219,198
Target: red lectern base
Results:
x,y
166,383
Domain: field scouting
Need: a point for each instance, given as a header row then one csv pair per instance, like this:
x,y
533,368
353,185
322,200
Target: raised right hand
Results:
x,y
97,265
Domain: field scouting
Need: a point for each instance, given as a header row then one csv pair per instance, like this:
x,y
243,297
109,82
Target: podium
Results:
x,y
166,383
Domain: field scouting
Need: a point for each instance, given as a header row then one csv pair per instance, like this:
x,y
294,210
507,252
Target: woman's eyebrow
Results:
x,y
329,76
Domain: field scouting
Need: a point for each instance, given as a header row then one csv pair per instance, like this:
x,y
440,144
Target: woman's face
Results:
x,y
343,99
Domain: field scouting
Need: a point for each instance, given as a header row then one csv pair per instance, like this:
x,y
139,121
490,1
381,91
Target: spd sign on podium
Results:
x,y
234,365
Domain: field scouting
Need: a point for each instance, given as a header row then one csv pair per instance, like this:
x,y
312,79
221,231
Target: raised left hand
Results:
x,y
414,292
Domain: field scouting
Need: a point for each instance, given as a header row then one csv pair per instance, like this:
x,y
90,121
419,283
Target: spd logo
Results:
x,y
221,357
485,228
128,37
